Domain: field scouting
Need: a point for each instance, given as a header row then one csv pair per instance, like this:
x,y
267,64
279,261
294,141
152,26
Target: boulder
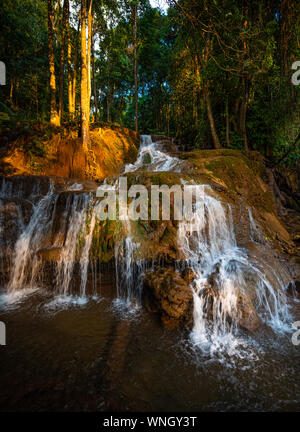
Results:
x,y
169,294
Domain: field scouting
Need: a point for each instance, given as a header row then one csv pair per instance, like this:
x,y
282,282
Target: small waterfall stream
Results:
x,y
77,226
152,158
25,263
225,274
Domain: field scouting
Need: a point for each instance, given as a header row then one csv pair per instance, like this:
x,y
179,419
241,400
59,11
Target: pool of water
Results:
x,y
103,354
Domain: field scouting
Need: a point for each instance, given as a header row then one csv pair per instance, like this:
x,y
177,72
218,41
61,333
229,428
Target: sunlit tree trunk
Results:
x,y
75,69
88,56
94,81
84,81
74,83
54,118
70,78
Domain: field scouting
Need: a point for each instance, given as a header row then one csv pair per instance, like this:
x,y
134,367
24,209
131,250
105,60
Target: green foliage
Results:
x,y
237,53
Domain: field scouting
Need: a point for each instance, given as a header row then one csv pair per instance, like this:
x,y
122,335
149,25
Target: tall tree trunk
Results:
x,y
74,82
76,67
54,118
227,123
62,59
94,81
109,98
243,113
85,115
69,53
135,15
88,55
211,120
11,90
245,97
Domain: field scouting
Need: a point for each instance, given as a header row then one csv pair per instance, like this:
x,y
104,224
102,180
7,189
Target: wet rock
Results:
x,y
188,275
248,318
51,254
166,292
293,288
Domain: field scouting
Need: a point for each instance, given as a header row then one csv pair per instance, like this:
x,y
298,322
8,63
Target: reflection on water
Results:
x,y
103,355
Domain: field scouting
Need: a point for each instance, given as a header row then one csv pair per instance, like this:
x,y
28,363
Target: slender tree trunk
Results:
x,y
54,118
74,82
84,81
227,123
70,78
110,96
11,90
245,86
135,14
75,70
243,114
94,81
62,59
211,120
88,55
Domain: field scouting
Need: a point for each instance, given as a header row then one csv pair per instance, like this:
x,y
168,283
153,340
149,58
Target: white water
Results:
x,y
30,240
79,223
151,158
66,262
223,273
255,231
128,268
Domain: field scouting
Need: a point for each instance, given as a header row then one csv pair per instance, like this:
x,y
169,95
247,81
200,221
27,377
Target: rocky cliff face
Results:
x,y
59,153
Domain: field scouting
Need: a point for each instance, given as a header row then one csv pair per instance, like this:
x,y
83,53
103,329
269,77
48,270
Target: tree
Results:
x,y
64,30
85,104
54,117
134,19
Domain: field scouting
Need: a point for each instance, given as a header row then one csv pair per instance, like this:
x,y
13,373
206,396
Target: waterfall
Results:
x,y
25,263
85,255
128,268
151,158
255,231
66,262
77,227
224,273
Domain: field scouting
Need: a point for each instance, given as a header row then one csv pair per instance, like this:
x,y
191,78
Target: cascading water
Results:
x,y
255,232
66,262
225,275
129,269
25,263
152,158
77,226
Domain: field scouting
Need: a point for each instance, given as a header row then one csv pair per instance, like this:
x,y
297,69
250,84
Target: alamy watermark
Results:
x,y
2,73
2,333
296,335
119,202
296,75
